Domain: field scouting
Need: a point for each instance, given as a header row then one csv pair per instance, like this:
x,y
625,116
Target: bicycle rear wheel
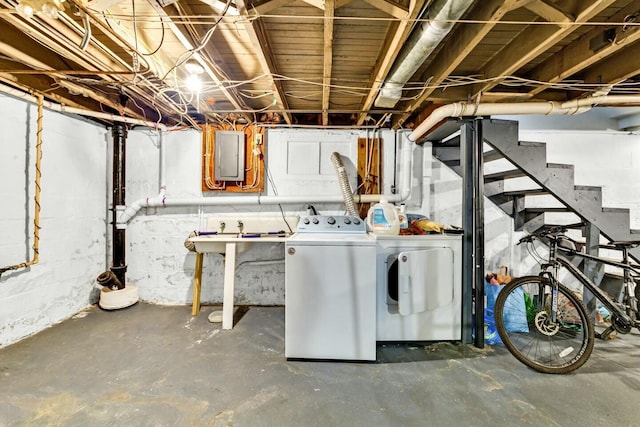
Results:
x,y
522,317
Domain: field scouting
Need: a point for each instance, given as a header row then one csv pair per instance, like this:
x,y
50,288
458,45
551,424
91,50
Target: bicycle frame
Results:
x,y
609,304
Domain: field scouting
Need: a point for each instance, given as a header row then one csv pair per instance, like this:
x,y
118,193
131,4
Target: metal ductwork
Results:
x,y
440,18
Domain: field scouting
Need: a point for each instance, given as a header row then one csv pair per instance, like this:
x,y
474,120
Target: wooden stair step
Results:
x,y
497,176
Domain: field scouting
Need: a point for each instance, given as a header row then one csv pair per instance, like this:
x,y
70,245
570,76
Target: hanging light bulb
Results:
x,y
48,8
193,81
26,8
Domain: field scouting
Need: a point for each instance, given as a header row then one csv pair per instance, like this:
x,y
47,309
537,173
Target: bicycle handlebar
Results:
x,y
546,231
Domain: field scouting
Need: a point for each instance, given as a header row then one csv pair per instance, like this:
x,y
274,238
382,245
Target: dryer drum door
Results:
x,y
425,280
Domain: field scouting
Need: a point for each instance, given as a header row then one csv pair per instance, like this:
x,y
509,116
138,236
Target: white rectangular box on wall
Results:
x,y
229,156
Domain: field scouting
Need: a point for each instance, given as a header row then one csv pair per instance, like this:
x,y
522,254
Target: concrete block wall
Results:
x,y
157,260
75,175
445,201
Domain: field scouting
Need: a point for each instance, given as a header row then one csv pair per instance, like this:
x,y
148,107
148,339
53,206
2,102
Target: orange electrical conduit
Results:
x,y
36,197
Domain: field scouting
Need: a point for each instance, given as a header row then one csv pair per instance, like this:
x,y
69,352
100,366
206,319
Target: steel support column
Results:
x,y
119,264
473,239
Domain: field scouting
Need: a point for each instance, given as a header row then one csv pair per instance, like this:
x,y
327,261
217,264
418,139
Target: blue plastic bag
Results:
x,y
491,336
514,313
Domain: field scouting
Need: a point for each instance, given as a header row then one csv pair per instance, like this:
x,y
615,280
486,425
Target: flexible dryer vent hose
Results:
x,y
343,181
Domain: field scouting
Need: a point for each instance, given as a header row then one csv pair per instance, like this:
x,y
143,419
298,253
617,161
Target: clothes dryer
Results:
x,y
419,288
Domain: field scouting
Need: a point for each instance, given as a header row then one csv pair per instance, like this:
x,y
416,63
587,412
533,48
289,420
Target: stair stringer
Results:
x,y
558,180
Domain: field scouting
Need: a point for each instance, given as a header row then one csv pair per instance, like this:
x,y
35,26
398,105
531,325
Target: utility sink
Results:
x,y
217,243
244,231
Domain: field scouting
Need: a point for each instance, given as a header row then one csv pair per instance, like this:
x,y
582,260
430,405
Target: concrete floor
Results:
x,y
157,366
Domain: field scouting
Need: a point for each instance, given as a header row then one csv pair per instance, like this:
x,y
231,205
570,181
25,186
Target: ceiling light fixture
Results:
x,y
48,8
193,82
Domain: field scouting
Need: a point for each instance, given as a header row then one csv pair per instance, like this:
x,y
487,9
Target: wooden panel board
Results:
x,y
369,169
254,161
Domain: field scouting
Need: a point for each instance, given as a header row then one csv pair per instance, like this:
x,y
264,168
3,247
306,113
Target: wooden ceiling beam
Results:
x,y
316,3
329,12
615,68
394,9
60,38
548,12
393,46
188,45
259,40
462,42
579,55
532,42
266,7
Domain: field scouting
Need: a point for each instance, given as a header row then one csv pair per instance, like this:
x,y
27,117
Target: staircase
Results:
x,y
551,183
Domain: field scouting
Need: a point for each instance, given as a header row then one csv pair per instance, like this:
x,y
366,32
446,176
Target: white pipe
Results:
x,y
82,112
128,212
462,109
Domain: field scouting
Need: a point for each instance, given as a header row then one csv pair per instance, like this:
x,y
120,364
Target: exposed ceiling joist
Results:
x,y
535,40
462,42
579,55
329,11
259,39
390,52
315,3
196,56
616,68
394,9
266,7
549,12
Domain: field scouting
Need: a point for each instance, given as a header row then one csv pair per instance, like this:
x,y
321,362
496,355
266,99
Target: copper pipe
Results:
x,y
36,197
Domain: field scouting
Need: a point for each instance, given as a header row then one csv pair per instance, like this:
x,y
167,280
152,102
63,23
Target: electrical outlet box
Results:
x,y
258,139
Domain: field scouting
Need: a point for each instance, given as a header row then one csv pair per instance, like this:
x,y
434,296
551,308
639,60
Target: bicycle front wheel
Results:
x,y
523,321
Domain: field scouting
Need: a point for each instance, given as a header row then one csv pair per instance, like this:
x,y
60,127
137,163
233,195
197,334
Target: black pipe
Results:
x,y
119,265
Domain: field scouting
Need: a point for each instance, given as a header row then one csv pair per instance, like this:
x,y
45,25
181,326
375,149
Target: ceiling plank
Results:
x,y
265,8
532,42
329,12
462,42
578,55
394,9
259,40
316,3
386,62
340,3
616,68
548,11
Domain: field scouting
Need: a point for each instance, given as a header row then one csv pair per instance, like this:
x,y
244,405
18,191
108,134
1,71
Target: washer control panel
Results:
x,y
331,224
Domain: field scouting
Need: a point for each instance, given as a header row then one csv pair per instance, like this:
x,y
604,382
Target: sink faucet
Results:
x,y
240,226
222,225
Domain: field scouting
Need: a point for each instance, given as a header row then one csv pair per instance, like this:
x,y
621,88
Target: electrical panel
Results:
x,y
233,158
229,156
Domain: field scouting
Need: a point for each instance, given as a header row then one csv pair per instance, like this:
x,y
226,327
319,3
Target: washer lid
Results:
x,y
425,280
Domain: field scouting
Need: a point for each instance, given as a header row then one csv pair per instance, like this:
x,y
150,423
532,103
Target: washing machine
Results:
x,y
419,288
330,290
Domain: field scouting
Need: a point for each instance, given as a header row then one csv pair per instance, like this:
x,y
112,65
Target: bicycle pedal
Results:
x,y
608,333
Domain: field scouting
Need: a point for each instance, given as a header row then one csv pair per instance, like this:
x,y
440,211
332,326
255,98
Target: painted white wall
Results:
x,y
75,176
157,260
445,206
76,191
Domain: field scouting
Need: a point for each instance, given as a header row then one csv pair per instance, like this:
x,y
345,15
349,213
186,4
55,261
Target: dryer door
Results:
x,y
425,280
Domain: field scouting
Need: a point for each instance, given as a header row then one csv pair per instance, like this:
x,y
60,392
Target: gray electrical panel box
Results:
x,y
229,156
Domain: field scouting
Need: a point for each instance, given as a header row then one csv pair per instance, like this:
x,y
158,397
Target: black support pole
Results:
x,y
473,238
119,265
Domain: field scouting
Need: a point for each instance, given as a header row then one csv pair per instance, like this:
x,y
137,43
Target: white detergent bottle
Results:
x,y
382,219
402,216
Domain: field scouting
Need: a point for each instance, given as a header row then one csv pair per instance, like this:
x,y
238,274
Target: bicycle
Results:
x,y
544,324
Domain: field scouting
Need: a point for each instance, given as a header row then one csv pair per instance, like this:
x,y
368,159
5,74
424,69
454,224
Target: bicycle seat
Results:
x,y
625,243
